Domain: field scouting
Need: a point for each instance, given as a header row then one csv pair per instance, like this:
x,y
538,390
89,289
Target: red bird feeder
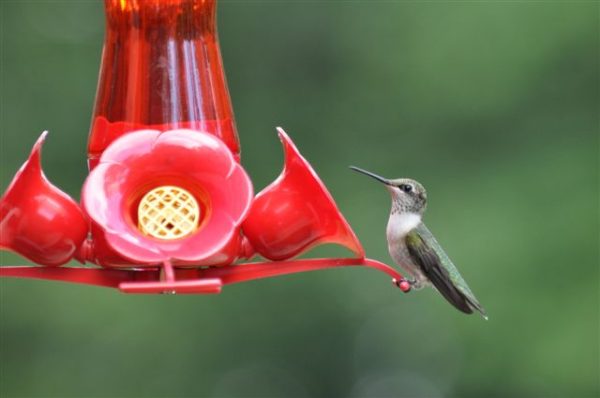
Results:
x,y
167,206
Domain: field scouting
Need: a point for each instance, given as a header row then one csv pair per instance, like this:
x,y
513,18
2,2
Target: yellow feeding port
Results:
x,y
168,212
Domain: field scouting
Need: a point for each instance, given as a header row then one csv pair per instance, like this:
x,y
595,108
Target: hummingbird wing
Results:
x,y
427,253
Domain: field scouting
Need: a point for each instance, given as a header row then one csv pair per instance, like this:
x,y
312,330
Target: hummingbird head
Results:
x,y
408,196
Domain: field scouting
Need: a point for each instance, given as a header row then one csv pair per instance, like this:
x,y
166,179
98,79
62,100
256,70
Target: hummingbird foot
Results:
x,y
416,284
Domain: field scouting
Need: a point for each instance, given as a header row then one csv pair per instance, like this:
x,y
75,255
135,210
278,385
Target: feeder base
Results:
x,y
192,281
199,286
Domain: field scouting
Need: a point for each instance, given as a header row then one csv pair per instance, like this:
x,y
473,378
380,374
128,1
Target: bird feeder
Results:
x,y
167,206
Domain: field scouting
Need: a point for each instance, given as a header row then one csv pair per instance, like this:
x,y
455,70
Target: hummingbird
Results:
x,y
414,248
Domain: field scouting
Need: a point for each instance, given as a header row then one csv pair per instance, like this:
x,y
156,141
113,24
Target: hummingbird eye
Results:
x,y
405,188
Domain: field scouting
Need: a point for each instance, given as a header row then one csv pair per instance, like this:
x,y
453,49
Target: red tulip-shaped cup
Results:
x,y
174,198
38,220
296,212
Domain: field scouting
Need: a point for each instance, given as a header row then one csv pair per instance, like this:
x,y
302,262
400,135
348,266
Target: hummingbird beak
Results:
x,y
373,175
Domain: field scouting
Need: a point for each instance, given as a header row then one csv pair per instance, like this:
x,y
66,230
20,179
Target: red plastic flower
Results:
x,y
205,197
38,220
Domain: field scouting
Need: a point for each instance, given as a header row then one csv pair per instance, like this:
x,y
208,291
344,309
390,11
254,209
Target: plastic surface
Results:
x,y
141,161
292,215
168,212
38,220
199,281
296,212
161,69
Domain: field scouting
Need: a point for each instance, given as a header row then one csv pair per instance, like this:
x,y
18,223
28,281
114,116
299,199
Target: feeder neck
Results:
x,y
161,69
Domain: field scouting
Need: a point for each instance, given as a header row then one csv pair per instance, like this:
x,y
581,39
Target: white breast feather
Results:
x,y
400,224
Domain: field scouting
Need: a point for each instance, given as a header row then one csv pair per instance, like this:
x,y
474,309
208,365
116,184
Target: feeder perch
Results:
x,y
167,206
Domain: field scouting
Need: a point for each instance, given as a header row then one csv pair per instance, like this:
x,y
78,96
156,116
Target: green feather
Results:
x,y
422,240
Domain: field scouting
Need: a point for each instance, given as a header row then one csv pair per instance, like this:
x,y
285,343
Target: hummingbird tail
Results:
x,y
475,305
454,295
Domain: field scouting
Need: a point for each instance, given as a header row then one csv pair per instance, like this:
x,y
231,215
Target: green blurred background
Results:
x,y
492,105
